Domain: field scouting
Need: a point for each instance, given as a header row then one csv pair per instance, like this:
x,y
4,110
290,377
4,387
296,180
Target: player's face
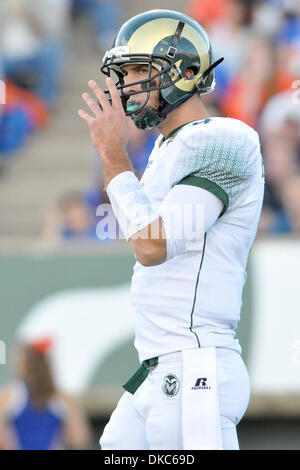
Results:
x,y
138,72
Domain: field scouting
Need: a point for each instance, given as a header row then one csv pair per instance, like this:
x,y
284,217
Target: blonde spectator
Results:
x,y
34,415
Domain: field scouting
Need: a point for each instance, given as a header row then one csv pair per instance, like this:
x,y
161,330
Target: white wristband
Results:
x,y
130,203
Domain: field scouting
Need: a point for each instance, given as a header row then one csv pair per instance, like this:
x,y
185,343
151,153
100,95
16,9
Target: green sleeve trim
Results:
x,y
204,183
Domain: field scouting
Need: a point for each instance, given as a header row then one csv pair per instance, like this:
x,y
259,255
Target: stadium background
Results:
x,y
59,281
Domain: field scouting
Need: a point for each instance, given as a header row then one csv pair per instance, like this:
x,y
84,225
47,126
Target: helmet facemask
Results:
x,y
168,74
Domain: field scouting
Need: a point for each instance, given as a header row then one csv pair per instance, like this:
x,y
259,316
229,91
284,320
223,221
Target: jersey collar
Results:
x,y
175,131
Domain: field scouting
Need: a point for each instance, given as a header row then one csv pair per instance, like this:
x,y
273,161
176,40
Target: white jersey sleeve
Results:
x,y
185,228
220,159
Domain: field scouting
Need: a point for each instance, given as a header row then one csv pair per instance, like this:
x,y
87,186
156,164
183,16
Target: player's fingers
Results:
x,y
94,107
114,94
99,93
85,116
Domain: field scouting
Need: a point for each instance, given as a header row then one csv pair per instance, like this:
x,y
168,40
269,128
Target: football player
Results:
x,y
191,221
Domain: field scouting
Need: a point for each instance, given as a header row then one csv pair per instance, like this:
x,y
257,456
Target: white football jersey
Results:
x,y
194,299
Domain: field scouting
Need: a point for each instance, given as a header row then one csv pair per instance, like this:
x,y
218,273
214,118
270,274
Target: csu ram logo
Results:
x,y
170,385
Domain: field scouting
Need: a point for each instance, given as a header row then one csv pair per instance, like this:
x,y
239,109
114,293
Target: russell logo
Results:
x,y
170,385
201,384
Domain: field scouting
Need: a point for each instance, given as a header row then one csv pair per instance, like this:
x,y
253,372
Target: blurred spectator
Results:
x,y
228,23
280,135
23,113
34,415
266,220
287,220
281,108
207,12
31,43
281,161
105,17
73,219
252,86
281,150
288,39
267,17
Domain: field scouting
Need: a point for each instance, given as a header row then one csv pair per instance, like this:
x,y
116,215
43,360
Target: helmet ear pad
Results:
x,y
186,58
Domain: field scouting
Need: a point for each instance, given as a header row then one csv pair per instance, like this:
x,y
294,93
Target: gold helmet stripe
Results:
x,y
145,38
202,49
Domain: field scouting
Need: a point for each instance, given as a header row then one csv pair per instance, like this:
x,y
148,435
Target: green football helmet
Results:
x,y
171,42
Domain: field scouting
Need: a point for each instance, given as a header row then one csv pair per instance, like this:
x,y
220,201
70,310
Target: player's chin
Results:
x,y
151,104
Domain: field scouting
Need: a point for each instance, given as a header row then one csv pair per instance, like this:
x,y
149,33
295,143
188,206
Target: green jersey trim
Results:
x,y
205,183
195,293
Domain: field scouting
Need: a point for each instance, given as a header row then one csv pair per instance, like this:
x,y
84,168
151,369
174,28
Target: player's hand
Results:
x,y
108,126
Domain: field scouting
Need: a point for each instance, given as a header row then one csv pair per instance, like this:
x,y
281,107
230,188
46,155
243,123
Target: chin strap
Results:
x,y
148,119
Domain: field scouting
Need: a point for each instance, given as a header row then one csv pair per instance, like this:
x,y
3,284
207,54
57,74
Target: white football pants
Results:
x,y
150,420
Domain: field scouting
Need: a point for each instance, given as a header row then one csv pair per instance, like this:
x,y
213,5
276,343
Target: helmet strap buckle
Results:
x,y
171,52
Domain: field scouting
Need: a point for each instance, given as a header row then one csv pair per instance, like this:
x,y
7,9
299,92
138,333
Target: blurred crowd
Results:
x,y
258,82
33,45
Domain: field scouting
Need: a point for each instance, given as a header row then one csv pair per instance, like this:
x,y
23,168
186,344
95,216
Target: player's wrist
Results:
x,y
121,176
113,153
114,164
131,206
